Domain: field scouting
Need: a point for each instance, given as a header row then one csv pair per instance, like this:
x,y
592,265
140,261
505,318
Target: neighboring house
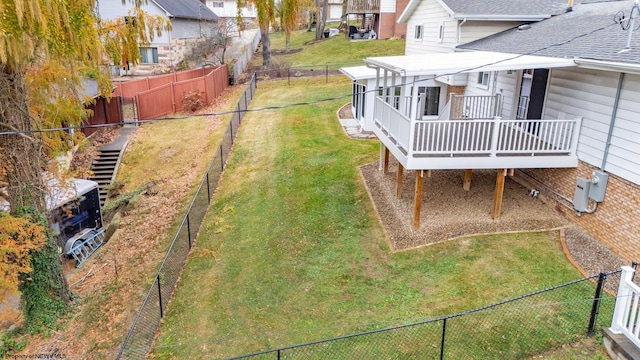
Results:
x,y
190,20
435,26
229,9
438,26
556,100
335,10
380,16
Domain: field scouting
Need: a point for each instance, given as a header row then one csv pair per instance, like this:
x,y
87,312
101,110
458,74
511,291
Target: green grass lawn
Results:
x,y
292,252
336,52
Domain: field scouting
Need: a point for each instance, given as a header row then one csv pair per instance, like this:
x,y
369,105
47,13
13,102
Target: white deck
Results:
x,y
476,144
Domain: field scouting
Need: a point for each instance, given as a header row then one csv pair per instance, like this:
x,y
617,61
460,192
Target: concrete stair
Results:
x,y
103,168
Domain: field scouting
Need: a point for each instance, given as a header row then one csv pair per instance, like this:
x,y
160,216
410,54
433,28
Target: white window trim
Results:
x,y
480,79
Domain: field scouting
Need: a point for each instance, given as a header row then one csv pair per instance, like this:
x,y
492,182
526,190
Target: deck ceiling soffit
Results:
x,y
465,62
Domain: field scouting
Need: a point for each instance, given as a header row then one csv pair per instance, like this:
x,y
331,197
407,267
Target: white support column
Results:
x,y
494,135
403,96
620,312
414,99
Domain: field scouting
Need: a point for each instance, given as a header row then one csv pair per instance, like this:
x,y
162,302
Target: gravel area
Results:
x,y
449,212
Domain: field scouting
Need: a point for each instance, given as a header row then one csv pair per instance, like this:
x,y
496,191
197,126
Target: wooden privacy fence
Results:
x,y
163,94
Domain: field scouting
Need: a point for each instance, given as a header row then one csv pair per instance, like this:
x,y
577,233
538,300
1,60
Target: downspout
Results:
x,y
612,123
464,20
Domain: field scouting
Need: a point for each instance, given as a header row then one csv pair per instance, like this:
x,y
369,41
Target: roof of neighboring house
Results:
x,y
588,32
186,9
496,10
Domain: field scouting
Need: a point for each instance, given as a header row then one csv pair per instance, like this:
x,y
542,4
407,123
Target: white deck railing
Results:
x,y
393,123
625,314
494,137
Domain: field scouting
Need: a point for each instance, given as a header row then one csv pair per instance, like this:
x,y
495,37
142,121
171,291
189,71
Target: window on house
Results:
x,y
359,92
217,4
483,78
429,100
419,30
149,55
441,33
130,20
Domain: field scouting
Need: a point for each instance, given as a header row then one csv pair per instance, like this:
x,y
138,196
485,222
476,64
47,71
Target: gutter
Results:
x,y
493,17
607,65
612,123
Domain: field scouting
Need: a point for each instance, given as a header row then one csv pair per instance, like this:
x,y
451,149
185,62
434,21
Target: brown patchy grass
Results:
x,y
110,286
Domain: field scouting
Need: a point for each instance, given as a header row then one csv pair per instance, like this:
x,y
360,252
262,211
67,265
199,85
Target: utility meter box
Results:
x,y
581,196
598,187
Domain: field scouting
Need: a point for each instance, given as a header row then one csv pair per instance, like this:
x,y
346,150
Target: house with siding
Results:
x,y
603,88
553,104
438,26
435,26
380,16
191,20
229,9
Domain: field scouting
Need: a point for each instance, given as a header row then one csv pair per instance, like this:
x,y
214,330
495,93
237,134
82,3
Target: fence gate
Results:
x,y
129,109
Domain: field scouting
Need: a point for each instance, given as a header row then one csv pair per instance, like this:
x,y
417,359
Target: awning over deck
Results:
x,y
359,72
463,62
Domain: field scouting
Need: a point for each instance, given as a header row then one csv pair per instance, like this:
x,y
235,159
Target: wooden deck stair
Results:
x,y
103,167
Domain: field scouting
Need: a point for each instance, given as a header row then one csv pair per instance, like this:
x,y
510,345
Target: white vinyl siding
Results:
x,y
115,9
591,94
432,15
624,152
229,9
474,30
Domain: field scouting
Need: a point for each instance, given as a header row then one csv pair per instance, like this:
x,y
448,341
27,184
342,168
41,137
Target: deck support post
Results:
x,y
497,199
418,199
467,180
399,181
385,161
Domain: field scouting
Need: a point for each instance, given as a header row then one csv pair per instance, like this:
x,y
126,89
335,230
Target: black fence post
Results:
x,y
596,304
231,129
289,76
244,95
326,73
221,159
189,230
444,332
208,189
159,295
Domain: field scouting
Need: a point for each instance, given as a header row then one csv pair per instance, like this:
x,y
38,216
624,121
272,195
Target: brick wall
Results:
x,y
616,219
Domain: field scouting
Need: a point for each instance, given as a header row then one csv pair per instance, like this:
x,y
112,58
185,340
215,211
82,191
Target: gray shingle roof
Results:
x,y
506,7
588,32
187,9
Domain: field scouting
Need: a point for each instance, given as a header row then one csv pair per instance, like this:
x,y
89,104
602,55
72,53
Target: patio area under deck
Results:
x,y
472,142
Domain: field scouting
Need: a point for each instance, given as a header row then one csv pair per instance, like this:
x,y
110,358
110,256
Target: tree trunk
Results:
x,y
45,292
321,23
288,42
20,153
266,48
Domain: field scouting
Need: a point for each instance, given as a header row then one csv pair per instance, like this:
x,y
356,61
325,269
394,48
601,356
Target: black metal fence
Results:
x,y
513,329
141,334
294,73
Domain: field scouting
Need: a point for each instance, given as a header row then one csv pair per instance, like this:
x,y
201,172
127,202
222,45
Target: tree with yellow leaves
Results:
x,y
47,47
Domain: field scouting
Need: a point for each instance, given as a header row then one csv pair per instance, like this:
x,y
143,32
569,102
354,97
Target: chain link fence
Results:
x,y
292,74
517,328
142,332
